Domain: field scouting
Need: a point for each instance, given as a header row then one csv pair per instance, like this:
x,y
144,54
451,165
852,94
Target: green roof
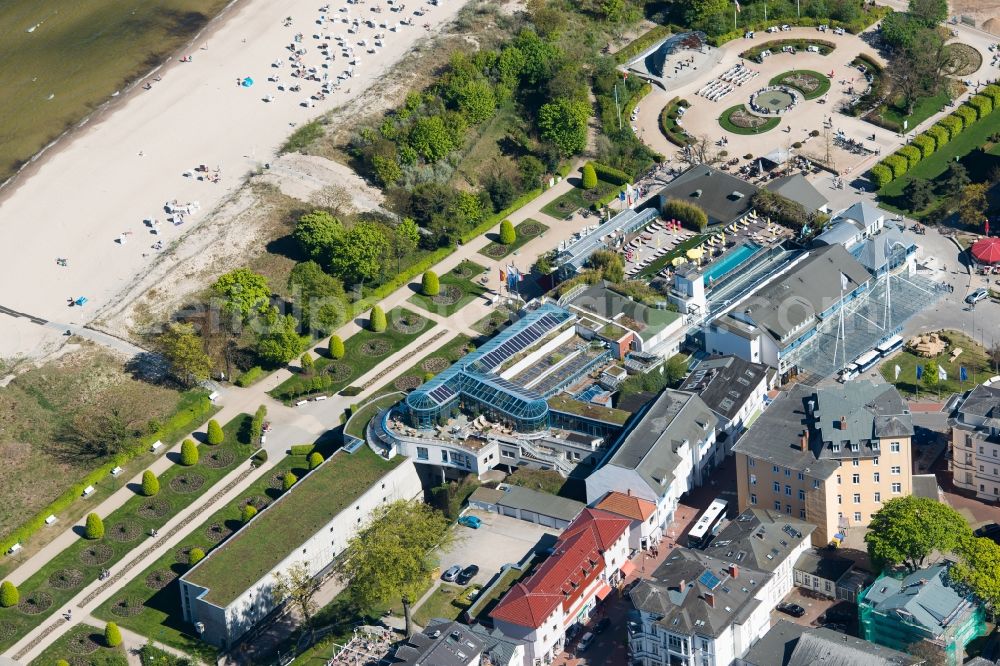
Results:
x,y
563,402
289,522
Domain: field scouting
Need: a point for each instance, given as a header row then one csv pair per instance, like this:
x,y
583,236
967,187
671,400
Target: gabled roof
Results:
x,y
799,190
862,212
983,402
869,411
627,505
760,538
442,643
790,644
576,561
923,598
725,383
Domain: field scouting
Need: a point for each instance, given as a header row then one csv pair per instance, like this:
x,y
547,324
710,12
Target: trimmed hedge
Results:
x,y
497,218
689,214
854,27
953,125
610,174
897,164
925,145
668,116
645,41
982,104
993,92
249,377
882,175
910,154
939,135
301,449
967,115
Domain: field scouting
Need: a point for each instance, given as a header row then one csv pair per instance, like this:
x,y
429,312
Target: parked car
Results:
x,y
990,531
792,609
470,521
976,296
601,626
467,574
451,573
585,642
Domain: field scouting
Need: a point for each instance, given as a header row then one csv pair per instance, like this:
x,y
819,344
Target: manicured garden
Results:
x,y
973,358
150,603
431,364
358,420
439,604
775,46
670,125
810,83
565,206
924,108
362,352
457,288
525,232
125,529
83,645
739,120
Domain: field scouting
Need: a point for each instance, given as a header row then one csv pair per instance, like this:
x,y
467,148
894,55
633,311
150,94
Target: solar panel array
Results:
x,y
709,579
442,394
492,360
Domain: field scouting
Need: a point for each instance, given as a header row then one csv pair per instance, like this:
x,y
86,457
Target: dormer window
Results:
x,y
855,447
835,447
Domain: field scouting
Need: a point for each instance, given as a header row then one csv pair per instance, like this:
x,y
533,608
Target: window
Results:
x,y
802,513
875,461
751,462
894,447
855,462
788,490
444,456
775,468
994,453
857,498
835,447
802,477
753,479
838,478
855,478
802,495
777,487
878,498
788,472
857,516
422,453
855,447
777,505
815,483
895,469
981,450
753,498
788,507
877,476
840,499
982,468
897,488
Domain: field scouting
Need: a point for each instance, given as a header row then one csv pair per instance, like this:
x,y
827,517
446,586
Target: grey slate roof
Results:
x,y
798,189
983,402
831,568
923,597
790,644
518,497
874,252
442,643
676,593
760,539
725,383
496,645
717,192
650,448
869,411
862,212
786,305
842,232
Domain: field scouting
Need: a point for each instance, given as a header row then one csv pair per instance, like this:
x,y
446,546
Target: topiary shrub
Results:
x,y
9,596
428,376
62,662
690,215
260,457
189,453
94,528
301,449
336,347
507,234
589,176
925,144
881,175
967,114
982,104
195,556
911,154
897,164
952,125
939,134
288,481
112,635
430,285
215,435
150,484
315,459
249,511
376,320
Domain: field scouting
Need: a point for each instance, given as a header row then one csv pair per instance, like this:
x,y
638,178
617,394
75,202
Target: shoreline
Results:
x,y
106,109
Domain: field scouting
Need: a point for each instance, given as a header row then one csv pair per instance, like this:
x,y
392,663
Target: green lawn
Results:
x,y
935,165
922,110
363,351
973,358
563,403
679,251
459,287
356,425
482,606
311,504
497,320
126,529
821,89
525,232
563,207
769,124
83,645
825,47
150,603
439,604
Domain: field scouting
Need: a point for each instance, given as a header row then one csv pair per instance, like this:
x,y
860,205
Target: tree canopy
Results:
x,y
390,556
908,529
319,296
316,232
246,293
280,341
563,123
183,350
979,568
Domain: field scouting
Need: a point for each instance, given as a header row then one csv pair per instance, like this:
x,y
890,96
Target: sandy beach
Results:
x,y
91,202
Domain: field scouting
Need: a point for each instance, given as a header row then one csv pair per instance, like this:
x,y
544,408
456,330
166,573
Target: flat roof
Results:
x,y
722,196
235,565
563,402
547,504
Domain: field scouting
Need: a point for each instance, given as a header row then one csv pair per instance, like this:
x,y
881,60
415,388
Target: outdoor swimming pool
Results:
x,y
727,263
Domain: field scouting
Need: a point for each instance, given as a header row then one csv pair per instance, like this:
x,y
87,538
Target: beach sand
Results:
x,y
110,177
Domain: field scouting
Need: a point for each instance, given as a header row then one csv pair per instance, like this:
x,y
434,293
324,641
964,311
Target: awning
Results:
x,y
627,568
603,591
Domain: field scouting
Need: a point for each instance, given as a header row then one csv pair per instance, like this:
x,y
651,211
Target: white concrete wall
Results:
x,y
724,342
401,483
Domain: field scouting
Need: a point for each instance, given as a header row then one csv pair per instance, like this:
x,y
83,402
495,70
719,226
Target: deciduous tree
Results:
x,y
184,351
405,240
214,434
316,233
388,557
979,568
299,588
563,123
306,361
920,192
360,254
280,341
929,12
246,293
972,204
319,296
908,529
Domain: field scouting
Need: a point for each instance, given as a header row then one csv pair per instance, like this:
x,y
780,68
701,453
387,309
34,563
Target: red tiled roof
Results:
x,y
577,560
629,506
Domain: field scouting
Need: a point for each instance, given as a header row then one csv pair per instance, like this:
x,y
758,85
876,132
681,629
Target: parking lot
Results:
x,y
814,607
499,540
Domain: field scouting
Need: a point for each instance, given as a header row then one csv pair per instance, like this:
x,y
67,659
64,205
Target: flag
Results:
x,y
843,282
942,374
986,227
621,195
920,372
503,276
738,8
898,370
963,373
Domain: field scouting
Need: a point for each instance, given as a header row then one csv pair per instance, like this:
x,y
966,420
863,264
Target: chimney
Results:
x,y
843,423
804,440
734,571
710,599
629,490
681,584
